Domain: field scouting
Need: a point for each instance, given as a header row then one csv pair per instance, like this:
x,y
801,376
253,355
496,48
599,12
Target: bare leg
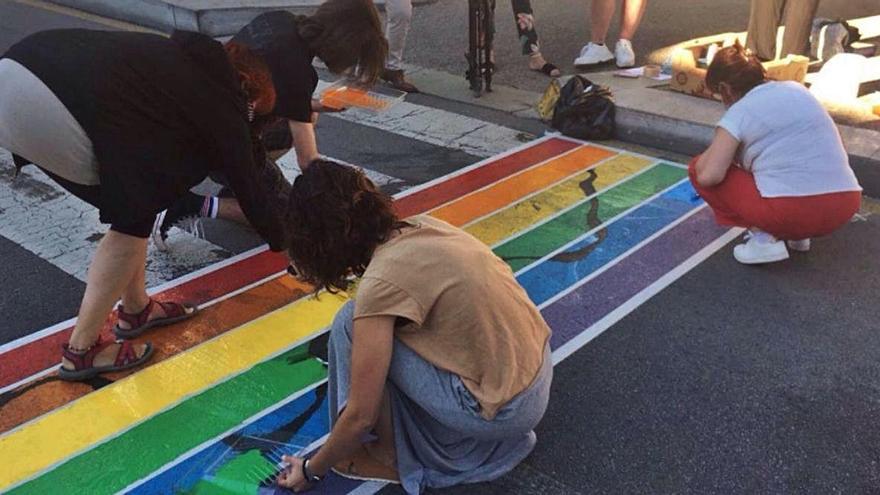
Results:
x,y
601,13
633,10
229,209
135,298
382,449
116,263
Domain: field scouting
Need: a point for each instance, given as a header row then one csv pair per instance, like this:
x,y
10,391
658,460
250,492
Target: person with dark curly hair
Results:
x,y
441,361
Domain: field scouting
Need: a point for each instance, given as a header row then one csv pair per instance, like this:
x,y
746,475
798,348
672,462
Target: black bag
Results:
x,y
584,110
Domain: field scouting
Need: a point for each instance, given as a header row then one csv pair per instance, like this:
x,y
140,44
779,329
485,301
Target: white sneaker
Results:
x,y
592,54
802,245
760,248
624,54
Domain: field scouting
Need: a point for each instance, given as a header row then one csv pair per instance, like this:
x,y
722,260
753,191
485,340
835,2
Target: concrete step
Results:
x,y
211,17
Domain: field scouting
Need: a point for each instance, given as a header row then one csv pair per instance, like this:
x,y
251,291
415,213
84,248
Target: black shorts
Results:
x,y
92,196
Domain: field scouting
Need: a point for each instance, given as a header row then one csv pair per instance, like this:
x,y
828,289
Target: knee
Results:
x,y
692,170
342,324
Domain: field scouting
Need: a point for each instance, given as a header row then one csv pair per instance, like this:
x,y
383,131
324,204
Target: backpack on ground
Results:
x,y
584,110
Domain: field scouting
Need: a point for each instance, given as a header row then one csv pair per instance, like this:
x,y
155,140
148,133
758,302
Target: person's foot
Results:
x,y
397,80
624,54
759,248
156,312
107,356
802,245
538,63
362,466
184,214
593,54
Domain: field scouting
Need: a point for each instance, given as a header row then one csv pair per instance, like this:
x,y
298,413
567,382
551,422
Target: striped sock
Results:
x,y
210,207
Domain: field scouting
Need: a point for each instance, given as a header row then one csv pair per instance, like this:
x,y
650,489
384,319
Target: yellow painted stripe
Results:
x,y
513,188
523,214
115,408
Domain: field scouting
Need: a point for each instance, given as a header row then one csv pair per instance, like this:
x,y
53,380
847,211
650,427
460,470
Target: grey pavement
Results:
x,y
732,380
439,33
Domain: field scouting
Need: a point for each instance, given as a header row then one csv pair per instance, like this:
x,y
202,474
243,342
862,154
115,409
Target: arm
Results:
x,y
373,339
712,165
304,142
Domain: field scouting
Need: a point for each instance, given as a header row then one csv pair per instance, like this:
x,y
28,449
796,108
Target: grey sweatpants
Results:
x,y
440,437
398,18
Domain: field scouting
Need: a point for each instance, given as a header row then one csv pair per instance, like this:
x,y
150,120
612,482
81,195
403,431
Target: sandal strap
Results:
x,y
126,354
136,320
85,360
172,309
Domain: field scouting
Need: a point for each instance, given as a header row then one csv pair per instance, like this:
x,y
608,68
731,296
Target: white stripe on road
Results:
x,y
43,218
437,127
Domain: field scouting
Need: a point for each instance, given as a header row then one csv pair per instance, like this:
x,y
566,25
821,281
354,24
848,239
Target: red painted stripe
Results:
x,y
34,357
470,181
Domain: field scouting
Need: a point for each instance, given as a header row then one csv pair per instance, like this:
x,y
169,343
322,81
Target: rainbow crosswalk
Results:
x,y
590,232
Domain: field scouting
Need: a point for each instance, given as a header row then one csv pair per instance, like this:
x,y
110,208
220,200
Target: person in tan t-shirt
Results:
x,y
441,361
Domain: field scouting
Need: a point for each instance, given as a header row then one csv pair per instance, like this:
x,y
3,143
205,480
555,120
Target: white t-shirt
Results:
x,y
789,142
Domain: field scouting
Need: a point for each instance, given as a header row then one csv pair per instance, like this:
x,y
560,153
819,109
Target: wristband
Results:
x,y
308,475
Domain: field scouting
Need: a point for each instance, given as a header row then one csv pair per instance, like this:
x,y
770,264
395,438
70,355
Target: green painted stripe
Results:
x,y
534,244
117,463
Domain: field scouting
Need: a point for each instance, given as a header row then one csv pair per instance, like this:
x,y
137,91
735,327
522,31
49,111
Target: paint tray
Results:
x,y
349,94
246,466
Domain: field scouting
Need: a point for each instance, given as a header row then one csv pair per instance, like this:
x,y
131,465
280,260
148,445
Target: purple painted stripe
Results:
x,y
583,307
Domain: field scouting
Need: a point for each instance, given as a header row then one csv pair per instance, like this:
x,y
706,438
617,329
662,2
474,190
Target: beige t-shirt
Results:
x,y
467,313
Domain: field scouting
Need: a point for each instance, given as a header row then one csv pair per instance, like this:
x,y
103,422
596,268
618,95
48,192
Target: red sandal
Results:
x,y
84,363
140,322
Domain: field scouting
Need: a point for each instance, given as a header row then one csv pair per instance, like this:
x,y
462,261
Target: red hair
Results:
x,y
738,68
255,75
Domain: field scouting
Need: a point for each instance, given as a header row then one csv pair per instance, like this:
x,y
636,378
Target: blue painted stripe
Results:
x,y
548,278
184,475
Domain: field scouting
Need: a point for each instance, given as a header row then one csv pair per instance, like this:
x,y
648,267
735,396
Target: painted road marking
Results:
x,y
37,358
470,180
535,208
515,187
43,443
438,127
533,246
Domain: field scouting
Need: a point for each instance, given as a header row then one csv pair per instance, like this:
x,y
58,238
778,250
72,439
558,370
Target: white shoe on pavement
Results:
x,y
802,245
624,54
759,248
592,54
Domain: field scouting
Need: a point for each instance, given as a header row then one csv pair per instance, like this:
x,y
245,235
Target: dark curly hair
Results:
x,y
336,218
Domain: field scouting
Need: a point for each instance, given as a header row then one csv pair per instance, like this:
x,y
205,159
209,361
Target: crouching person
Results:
x,y
776,166
440,368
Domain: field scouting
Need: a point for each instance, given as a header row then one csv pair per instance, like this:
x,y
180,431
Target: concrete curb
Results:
x,y
214,18
648,117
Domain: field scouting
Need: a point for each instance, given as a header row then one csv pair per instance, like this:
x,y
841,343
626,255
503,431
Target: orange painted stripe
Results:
x,y
514,188
39,397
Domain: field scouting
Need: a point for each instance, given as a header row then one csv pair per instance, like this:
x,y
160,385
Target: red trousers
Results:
x,y
737,202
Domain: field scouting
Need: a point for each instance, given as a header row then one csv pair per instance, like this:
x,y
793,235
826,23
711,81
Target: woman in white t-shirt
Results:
x,y
776,166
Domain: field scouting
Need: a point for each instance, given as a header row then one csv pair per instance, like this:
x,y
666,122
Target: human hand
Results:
x,y
318,106
292,477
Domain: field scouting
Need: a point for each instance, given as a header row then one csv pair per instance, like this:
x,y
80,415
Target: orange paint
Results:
x,y
168,341
347,97
514,188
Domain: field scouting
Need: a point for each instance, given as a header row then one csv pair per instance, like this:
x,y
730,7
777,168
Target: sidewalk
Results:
x,y
211,17
651,115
